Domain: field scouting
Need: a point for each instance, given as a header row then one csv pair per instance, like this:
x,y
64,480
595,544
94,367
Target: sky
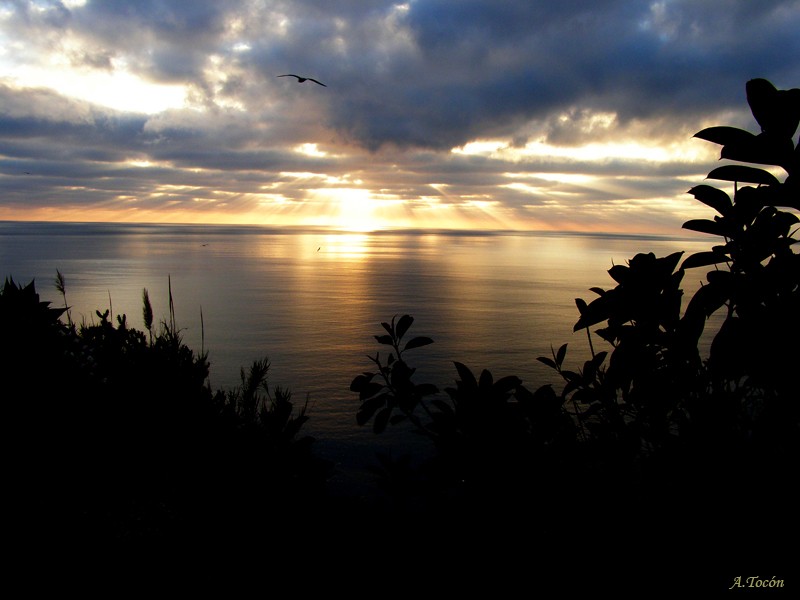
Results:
x,y
478,114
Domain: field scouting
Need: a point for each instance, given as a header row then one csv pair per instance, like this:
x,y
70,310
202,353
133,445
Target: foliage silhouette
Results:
x,y
655,398
116,434
487,432
655,384
650,415
752,356
395,389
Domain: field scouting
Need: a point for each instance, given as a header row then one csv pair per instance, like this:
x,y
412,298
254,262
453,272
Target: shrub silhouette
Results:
x,y
655,384
488,433
753,355
394,391
116,434
650,406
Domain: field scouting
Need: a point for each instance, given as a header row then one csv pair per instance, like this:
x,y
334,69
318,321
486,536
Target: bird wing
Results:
x,y
290,75
317,82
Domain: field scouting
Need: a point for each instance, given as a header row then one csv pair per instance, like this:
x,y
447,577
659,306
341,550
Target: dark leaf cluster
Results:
x,y
389,394
655,387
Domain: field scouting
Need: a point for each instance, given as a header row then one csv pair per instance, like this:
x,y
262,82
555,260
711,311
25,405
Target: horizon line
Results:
x,y
278,228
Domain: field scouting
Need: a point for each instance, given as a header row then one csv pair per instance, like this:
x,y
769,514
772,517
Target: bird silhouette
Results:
x,y
302,79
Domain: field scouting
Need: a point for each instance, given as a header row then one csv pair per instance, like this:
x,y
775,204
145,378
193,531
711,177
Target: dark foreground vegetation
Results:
x,y
647,455
646,414
116,434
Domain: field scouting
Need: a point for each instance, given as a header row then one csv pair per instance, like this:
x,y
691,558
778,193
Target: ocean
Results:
x,y
311,301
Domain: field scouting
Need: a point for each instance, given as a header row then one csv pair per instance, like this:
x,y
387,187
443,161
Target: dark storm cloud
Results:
x,y
52,122
442,72
484,67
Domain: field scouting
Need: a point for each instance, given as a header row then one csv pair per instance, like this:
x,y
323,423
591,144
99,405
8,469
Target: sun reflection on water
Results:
x,y
345,245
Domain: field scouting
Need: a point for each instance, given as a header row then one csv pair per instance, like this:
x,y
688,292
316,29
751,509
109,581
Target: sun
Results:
x,y
353,209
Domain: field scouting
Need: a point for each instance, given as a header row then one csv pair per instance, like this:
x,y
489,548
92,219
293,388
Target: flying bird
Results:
x,y
302,79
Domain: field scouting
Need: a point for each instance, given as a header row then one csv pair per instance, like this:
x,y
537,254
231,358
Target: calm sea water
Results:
x,y
311,300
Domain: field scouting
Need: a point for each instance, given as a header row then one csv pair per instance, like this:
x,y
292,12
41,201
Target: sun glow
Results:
x,y
117,90
353,209
345,245
110,84
480,147
310,150
141,164
687,151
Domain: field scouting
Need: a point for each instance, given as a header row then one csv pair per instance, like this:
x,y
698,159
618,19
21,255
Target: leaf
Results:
x,y
362,418
589,370
402,325
401,374
706,226
548,361
466,375
381,420
417,342
777,111
597,311
745,174
761,96
709,298
384,339
670,261
749,202
790,218
485,381
607,334
713,197
369,407
619,273
724,135
562,352
581,304
360,381
572,385
506,384
387,327
599,358
597,290
369,390
571,376
765,149
703,259
790,107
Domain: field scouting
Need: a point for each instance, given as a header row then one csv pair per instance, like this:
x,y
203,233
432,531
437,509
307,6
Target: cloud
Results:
x,y
569,106
485,68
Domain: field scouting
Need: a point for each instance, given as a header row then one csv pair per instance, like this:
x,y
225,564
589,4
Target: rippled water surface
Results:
x,y
311,301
